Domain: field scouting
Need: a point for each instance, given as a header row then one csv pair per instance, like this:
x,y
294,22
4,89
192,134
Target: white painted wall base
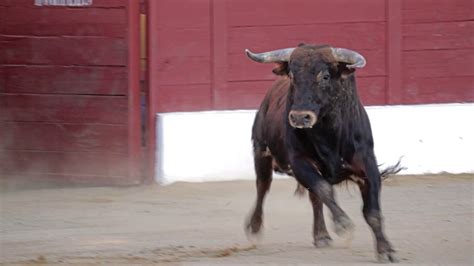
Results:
x,y
216,146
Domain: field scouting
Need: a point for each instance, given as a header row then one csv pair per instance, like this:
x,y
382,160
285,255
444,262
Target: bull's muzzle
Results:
x,y
302,119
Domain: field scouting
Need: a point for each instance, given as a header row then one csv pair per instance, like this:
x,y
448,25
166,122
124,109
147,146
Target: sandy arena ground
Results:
x,y
429,220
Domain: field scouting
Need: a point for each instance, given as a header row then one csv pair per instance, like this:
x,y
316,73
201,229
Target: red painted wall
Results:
x,y
418,51
68,103
437,51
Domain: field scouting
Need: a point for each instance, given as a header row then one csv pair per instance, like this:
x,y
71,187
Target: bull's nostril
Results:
x,y
292,118
307,118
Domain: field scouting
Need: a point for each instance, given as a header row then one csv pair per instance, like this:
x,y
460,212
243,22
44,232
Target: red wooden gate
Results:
x,y
69,92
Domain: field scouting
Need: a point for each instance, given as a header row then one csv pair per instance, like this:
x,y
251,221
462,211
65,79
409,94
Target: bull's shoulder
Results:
x,y
279,88
269,125
274,103
277,96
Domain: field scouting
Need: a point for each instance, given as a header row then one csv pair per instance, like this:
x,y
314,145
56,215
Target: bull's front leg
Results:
x,y
263,169
370,190
321,236
308,175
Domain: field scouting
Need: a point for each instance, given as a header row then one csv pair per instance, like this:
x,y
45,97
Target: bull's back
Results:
x,y
268,133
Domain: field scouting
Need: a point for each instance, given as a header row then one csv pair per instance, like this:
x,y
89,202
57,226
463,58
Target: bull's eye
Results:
x,y
323,75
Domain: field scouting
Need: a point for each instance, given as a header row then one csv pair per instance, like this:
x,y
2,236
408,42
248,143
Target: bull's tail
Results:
x,y
392,170
300,190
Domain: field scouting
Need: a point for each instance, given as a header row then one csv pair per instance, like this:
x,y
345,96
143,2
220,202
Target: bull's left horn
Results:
x,y
353,58
281,55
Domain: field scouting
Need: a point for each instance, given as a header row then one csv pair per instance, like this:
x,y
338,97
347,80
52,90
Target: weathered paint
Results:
x,y
200,53
69,92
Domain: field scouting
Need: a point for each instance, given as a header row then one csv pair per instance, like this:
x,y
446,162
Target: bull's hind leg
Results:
x,y
263,170
320,233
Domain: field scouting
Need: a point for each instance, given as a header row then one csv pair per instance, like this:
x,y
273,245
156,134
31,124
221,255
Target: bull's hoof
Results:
x,y
322,242
253,228
253,225
387,257
253,232
385,252
343,226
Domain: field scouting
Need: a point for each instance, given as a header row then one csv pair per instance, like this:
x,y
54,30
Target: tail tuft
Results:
x,y
392,170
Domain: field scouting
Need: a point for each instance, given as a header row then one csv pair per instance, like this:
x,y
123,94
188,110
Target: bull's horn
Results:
x,y
281,55
353,58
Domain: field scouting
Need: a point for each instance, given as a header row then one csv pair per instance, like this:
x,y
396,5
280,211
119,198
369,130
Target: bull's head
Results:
x,y
316,74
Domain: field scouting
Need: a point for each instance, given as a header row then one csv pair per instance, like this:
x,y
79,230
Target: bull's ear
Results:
x,y
344,71
281,69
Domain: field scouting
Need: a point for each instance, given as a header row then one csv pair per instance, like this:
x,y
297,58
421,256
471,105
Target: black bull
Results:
x,y
312,125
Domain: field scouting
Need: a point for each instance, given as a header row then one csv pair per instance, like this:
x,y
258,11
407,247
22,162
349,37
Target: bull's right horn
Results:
x,y
281,55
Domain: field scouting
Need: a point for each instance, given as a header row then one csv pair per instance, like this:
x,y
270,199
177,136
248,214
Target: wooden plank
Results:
x,y
3,11
372,90
242,95
241,68
180,14
66,80
95,4
183,98
65,51
362,36
394,52
184,49
3,51
153,8
181,70
63,163
63,137
63,108
442,35
443,89
219,49
3,79
52,39
20,20
184,42
421,11
134,108
297,12
438,63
